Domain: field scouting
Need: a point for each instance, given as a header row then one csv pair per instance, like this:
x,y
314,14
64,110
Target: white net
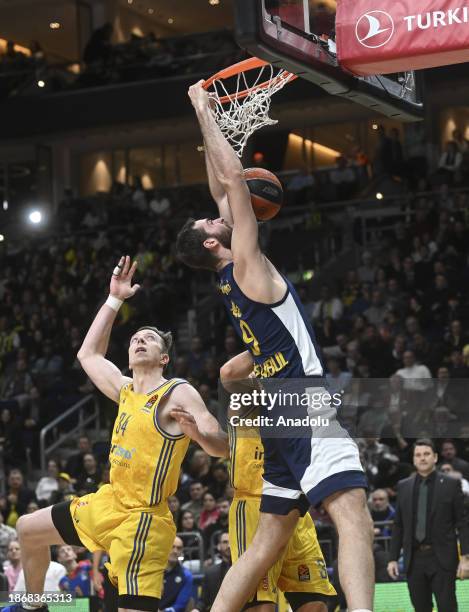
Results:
x,y
246,110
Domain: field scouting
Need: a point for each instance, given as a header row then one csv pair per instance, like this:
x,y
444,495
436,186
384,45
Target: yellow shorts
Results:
x,y
301,569
138,542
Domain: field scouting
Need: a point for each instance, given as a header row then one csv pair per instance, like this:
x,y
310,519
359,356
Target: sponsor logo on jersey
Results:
x,y
303,573
149,405
120,451
225,288
265,583
271,366
236,311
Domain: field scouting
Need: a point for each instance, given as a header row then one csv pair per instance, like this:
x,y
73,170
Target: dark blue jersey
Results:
x,y
279,336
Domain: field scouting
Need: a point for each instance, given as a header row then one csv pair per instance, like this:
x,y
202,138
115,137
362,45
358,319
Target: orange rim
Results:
x,y
245,66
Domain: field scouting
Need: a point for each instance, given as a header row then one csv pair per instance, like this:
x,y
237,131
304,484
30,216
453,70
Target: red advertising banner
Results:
x,y
385,36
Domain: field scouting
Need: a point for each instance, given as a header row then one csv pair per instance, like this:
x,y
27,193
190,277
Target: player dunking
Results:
x,y
128,518
268,316
300,573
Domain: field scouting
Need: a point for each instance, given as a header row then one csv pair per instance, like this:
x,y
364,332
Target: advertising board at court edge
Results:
x,y
384,36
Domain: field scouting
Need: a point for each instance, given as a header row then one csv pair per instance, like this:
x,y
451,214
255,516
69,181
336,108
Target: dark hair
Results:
x,y
167,337
448,440
425,442
190,247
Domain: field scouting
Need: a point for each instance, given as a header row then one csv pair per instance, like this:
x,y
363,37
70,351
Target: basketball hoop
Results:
x,y
241,96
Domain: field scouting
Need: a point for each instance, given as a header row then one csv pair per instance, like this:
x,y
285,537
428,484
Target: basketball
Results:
x,y
266,193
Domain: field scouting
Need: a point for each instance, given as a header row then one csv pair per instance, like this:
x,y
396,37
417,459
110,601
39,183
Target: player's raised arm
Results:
x,y
189,410
102,372
229,174
217,190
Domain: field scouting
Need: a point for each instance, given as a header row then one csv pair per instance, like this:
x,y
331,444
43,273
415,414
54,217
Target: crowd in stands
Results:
x,y
105,62
401,315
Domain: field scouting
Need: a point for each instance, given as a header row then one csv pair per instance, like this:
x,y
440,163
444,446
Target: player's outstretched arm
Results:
x,y
217,190
102,372
229,174
255,275
189,410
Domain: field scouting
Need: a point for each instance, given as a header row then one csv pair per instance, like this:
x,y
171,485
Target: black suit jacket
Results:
x,y
447,516
211,585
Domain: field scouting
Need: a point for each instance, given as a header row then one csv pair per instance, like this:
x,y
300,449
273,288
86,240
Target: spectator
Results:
x,y
195,505
199,467
12,567
19,384
221,524
210,513
214,575
344,180
337,380
90,477
376,312
10,434
450,162
74,464
17,499
327,306
381,512
32,507
447,468
159,205
177,582
7,535
457,367
175,507
220,479
49,366
461,142
367,271
77,581
48,484
196,357
98,48
186,525
383,160
65,492
449,454
371,453
55,573
212,404
300,188
429,511
416,376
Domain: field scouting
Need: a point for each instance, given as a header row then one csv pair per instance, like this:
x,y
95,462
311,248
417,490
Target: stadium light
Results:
x,y
41,83
35,217
5,204
379,196
2,237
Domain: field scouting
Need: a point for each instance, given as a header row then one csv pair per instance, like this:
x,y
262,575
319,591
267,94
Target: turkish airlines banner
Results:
x,y
384,36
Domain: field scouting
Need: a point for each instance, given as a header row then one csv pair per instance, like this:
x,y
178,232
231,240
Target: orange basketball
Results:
x,y
266,192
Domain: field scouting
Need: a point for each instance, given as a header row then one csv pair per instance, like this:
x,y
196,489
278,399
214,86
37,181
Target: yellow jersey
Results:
x,y
145,460
246,460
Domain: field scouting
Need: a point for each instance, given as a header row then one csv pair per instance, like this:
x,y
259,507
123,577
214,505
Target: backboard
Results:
x,y
298,35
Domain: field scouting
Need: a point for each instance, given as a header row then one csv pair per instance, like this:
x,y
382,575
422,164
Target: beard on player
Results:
x,y
190,243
